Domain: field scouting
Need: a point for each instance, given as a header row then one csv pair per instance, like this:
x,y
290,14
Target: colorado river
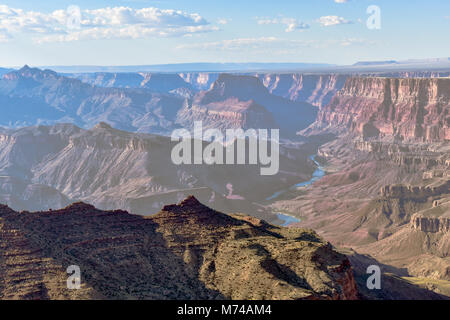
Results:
x,y
317,175
287,220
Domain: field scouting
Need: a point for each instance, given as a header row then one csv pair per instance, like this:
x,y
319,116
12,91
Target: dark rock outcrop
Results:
x,y
430,224
186,251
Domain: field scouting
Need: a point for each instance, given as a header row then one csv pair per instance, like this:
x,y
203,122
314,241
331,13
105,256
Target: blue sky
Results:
x,y
175,31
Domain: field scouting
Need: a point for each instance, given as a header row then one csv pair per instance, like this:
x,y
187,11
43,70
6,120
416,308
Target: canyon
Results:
x,y
387,174
316,89
382,198
260,108
148,103
48,167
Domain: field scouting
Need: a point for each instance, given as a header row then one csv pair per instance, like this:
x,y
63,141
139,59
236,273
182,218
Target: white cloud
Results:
x,y
103,23
16,20
327,21
290,23
341,1
151,17
223,21
128,32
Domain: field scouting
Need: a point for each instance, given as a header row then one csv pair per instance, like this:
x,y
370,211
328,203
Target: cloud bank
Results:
x,y
290,23
327,21
104,23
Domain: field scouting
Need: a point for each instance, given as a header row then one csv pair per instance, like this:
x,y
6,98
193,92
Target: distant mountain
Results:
x,y
4,71
190,67
432,62
375,63
412,65
358,67
445,60
158,82
32,96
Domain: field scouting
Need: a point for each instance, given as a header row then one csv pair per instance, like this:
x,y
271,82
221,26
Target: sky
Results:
x,y
140,32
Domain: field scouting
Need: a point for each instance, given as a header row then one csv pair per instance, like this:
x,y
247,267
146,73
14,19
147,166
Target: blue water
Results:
x,y
287,220
317,175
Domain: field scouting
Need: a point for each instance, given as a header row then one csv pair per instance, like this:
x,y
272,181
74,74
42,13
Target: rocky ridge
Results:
x,y
182,252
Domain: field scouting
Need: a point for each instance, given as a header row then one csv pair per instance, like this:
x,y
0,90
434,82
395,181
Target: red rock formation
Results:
x,y
228,114
234,94
416,109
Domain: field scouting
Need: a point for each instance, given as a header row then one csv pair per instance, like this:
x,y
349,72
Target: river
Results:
x,y
317,175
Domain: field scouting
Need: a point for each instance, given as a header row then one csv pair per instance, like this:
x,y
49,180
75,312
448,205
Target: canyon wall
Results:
x,y
430,224
49,167
412,109
159,82
242,100
200,80
414,74
315,89
414,192
228,114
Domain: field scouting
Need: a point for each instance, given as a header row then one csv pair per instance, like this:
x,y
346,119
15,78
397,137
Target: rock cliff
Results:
x,y
414,109
315,89
430,224
227,114
159,82
247,94
200,80
186,251
415,192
